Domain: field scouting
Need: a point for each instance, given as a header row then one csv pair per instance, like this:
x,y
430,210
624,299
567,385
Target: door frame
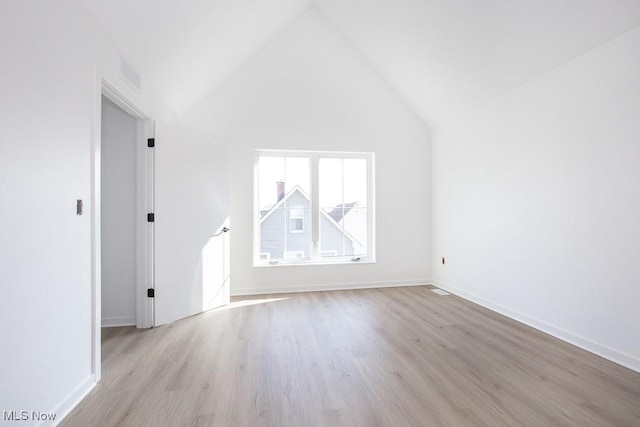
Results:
x,y
145,189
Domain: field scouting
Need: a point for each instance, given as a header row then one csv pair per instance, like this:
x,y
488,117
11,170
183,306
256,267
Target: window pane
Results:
x,y
343,204
355,196
270,173
284,186
296,174
355,225
355,181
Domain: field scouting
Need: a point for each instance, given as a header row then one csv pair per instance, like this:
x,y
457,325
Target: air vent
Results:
x,y
440,292
129,74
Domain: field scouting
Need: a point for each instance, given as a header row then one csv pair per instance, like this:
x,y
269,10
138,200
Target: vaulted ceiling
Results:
x,y
441,56
185,48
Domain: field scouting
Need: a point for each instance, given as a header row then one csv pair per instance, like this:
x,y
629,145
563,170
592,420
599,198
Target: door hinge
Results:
x,y
151,217
151,293
151,142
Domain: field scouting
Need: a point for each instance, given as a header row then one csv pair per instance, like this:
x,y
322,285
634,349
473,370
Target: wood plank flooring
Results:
x,y
379,357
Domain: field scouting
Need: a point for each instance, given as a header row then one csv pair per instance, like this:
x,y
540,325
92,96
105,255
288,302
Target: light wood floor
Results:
x,y
381,357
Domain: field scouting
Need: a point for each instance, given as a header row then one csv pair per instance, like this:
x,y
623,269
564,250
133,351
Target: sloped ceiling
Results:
x,y
444,56
185,48
441,56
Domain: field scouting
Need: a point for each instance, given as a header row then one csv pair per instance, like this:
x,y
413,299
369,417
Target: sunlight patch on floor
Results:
x,y
248,302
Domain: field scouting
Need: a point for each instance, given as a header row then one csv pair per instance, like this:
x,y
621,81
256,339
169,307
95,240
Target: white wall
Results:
x,y
537,200
118,215
309,90
45,268
50,55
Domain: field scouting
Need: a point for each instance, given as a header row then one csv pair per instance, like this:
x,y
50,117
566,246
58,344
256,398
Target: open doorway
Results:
x,y
122,219
118,211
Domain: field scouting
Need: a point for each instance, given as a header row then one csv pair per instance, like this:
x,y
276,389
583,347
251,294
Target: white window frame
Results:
x,y
329,253
297,255
314,211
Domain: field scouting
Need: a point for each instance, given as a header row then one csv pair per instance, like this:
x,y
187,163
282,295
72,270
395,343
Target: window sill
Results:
x,y
312,263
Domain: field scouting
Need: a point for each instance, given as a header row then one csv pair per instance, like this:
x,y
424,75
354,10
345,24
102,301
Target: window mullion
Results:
x,y
370,208
342,237
314,208
285,211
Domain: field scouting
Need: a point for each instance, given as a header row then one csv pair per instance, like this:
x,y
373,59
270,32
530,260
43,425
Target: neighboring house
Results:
x,y
353,218
285,230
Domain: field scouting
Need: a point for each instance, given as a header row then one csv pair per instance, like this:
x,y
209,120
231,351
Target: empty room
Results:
x,y
320,212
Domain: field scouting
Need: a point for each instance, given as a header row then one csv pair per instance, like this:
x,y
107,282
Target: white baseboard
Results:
x,y
615,356
328,287
108,322
67,405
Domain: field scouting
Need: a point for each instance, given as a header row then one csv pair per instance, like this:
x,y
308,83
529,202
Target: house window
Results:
x,y
296,219
313,207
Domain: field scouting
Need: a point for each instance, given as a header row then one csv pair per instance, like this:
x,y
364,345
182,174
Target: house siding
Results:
x,y
275,234
331,238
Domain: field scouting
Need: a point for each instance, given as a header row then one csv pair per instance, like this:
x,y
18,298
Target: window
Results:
x,y
313,207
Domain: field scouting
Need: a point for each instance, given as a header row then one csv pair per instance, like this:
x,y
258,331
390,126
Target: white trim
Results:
x,y
96,242
144,238
371,208
329,253
348,260
256,210
145,202
65,407
298,255
329,287
109,322
121,101
308,153
603,351
314,207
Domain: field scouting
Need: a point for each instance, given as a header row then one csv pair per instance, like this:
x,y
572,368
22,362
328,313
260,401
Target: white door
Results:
x,y
215,270
192,208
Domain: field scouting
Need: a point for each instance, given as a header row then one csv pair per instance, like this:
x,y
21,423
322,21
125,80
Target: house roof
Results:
x,y
265,213
341,210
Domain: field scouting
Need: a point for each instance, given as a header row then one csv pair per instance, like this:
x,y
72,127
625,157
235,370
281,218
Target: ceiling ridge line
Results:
x,y
255,52
347,40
